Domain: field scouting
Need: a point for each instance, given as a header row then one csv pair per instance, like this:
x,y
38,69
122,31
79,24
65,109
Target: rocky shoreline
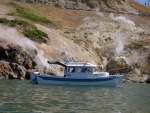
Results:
x,y
18,64
111,40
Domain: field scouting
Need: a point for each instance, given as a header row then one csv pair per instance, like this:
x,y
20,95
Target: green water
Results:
x,y
23,97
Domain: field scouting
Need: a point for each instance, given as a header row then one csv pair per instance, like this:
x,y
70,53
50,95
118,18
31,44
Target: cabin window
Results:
x,y
94,69
71,69
88,70
80,70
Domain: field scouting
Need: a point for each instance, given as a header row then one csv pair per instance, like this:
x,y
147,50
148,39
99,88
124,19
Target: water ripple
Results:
x,y
20,96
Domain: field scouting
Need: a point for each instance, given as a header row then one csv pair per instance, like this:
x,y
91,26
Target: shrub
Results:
x,y
29,30
3,20
34,33
31,16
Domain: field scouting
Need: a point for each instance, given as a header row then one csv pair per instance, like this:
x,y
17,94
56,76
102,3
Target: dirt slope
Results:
x,y
95,36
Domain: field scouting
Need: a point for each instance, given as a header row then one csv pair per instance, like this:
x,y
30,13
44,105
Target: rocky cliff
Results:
x,y
121,6
103,32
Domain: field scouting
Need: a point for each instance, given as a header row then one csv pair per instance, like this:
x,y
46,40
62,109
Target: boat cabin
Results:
x,y
80,69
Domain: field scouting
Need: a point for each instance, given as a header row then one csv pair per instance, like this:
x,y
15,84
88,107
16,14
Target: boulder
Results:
x,y
118,62
136,77
28,74
5,70
20,71
15,62
148,79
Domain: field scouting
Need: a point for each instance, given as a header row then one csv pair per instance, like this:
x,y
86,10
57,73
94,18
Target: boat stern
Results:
x,y
34,77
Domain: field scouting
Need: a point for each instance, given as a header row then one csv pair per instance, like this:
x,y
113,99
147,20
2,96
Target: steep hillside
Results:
x,y
103,5
111,40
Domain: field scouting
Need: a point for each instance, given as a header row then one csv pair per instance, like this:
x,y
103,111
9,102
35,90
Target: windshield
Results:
x,y
85,69
94,69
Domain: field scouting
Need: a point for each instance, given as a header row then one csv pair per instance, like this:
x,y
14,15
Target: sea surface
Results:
x,y
22,97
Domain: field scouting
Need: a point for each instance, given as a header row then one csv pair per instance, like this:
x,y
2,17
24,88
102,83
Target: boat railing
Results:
x,y
118,71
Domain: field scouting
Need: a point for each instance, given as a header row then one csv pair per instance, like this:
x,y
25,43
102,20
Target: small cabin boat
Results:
x,y
78,73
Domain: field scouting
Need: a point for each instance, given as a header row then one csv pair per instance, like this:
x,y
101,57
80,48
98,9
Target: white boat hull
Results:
x,y
55,80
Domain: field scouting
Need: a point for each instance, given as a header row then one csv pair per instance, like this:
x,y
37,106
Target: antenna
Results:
x,y
65,56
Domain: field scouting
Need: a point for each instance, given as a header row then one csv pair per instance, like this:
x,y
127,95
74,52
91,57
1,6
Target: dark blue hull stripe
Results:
x,y
77,80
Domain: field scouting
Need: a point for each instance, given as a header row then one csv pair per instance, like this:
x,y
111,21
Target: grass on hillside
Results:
x,y
29,30
22,12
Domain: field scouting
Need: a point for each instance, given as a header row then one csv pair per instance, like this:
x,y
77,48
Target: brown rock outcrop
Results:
x,y
104,5
119,63
14,62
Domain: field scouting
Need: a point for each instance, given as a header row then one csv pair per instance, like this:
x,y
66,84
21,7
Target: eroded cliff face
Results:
x,y
103,5
118,42
15,63
111,40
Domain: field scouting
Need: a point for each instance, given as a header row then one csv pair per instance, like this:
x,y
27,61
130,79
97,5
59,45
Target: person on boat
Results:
x,y
84,70
73,70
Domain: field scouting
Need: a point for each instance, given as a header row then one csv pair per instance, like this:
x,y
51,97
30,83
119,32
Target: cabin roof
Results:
x,y
76,64
80,64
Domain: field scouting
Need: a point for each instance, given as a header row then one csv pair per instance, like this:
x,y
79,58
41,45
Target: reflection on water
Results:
x,y
21,96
